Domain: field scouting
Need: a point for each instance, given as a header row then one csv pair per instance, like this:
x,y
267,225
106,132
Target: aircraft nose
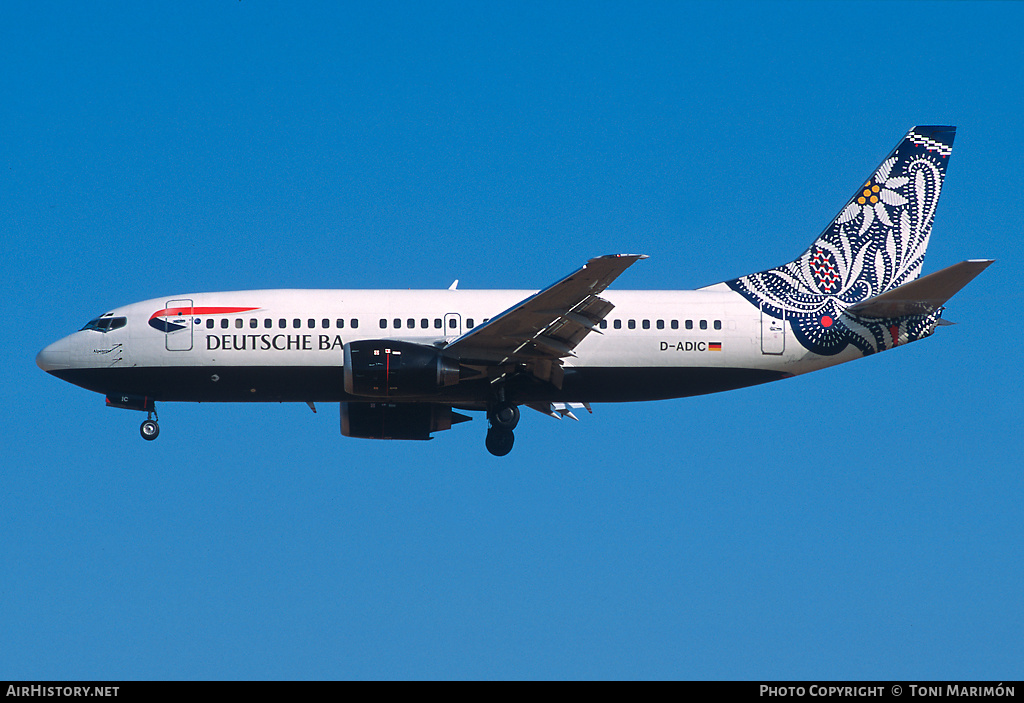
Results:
x,y
54,358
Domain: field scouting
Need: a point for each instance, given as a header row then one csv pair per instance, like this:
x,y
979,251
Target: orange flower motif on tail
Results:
x,y
877,194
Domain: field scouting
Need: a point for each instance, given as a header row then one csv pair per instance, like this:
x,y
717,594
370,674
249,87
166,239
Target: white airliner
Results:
x,y
401,362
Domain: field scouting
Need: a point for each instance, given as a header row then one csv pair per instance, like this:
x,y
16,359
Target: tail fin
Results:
x,y
876,243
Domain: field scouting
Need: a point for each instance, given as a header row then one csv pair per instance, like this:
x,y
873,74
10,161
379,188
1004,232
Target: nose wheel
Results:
x,y
150,429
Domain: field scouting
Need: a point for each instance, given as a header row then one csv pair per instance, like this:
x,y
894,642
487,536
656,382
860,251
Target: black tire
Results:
x,y
499,442
505,417
149,430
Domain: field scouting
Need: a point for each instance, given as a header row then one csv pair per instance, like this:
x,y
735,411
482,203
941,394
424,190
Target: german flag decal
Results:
x,y
714,346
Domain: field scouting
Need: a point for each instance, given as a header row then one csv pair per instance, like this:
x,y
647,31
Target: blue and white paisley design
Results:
x,y
876,243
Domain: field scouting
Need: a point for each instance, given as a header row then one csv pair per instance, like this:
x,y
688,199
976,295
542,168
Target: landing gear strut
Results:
x,y
149,429
503,418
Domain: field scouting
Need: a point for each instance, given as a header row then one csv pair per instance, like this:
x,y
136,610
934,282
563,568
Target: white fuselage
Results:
x,y
288,344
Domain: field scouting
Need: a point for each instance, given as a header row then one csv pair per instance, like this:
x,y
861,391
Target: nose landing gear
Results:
x,y
150,429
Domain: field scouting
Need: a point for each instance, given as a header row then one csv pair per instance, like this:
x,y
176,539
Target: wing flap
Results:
x,y
560,410
922,296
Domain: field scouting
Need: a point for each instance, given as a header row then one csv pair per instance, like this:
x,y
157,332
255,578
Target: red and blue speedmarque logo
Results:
x,y
183,316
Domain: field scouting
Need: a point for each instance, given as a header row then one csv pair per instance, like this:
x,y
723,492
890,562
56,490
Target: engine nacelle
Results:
x,y
381,368
396,420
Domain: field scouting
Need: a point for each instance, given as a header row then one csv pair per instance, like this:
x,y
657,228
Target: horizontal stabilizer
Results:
x,y
923,296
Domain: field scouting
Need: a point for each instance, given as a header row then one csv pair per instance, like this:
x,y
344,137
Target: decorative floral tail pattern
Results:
x,y
876,243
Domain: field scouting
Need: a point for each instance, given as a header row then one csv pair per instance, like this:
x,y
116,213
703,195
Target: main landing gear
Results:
x,y
149,429
503,418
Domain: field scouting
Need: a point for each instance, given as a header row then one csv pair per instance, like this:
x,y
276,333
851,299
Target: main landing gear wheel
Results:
x,y
499,442
149,430
504,417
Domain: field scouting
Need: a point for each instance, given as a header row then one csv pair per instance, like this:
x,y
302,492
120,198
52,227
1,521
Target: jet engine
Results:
x,y
391,369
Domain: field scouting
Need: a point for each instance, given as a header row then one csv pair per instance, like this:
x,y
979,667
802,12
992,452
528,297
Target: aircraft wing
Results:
x,y
545,328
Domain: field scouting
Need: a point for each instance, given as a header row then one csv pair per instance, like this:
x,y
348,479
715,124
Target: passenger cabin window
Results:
x,y
617,324
209,323
383,324
325,323
646,324
238,323
282,323
661,324
469,323
224,323
268,323
339,323
675,324
410,323
296,323
355,323
424,323
689,324
311,323
631,324
253,323
703,324
718,324
603,324
437,323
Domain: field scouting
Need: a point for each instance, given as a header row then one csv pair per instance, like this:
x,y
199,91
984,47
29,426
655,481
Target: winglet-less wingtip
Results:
x,y
623,256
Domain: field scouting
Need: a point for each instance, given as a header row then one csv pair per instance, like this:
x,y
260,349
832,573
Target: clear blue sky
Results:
x,y
860,522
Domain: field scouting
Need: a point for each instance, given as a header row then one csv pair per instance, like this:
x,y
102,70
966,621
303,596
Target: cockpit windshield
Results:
x,y
106,323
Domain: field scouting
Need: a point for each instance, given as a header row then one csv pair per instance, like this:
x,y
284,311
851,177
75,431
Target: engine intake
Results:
x,y
390,369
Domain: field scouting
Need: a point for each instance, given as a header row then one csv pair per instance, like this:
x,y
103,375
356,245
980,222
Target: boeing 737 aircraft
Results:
x,y
400,363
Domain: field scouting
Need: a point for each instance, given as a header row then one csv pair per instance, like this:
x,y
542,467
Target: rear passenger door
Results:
x,y
773,333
